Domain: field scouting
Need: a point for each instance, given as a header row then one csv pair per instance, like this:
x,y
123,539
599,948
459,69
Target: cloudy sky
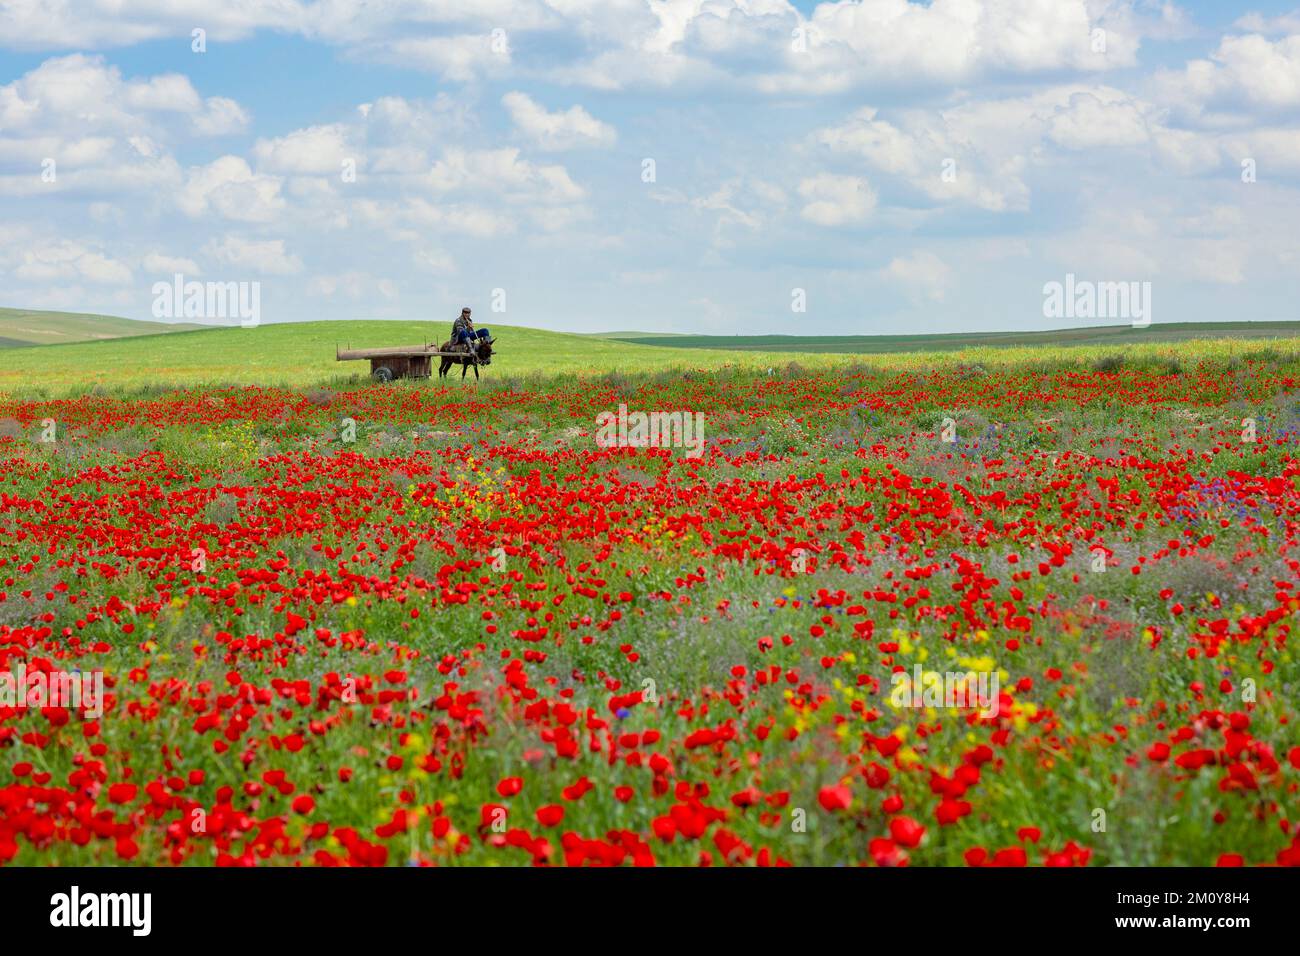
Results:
x,y
664,165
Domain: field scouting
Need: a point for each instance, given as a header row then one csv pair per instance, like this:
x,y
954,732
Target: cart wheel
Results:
x,y
382,374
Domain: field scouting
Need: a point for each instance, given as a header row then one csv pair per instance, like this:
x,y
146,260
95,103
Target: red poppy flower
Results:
x,y
834,798
122,792
550,815
906,831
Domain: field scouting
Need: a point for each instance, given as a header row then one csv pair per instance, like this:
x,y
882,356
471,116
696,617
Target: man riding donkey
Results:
x,y
462,331
475,343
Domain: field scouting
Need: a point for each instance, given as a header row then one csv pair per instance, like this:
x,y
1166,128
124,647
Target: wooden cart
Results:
x,y
403,361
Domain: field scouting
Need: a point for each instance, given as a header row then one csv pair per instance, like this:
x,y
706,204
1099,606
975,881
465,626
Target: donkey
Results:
x,y
481,355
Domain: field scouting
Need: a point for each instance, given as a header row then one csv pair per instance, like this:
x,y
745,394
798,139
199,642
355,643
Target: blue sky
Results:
x,y
897,166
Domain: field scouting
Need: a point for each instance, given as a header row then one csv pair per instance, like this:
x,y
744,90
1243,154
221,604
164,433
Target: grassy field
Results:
x,y
297,354
1118,335
302,354
20,328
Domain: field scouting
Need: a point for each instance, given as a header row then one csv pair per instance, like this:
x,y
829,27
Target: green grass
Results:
x,y
20,328
302,354
636,336
873,344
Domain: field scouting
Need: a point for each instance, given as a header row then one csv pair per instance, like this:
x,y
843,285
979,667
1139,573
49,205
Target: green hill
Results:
x,y
299,353
303,353
20,328
880,344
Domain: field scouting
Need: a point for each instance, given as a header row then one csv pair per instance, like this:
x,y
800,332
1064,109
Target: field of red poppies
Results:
x,y
426,625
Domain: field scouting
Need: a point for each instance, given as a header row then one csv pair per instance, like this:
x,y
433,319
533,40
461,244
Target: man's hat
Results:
x,y
465,311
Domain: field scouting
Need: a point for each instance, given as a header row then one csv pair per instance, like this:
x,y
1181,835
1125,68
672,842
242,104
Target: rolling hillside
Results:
x,y
880,344
20,328
302,354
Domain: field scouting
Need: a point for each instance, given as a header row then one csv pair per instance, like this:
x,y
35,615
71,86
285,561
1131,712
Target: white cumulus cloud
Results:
x,y
923,273
267,256
836,200
573,128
